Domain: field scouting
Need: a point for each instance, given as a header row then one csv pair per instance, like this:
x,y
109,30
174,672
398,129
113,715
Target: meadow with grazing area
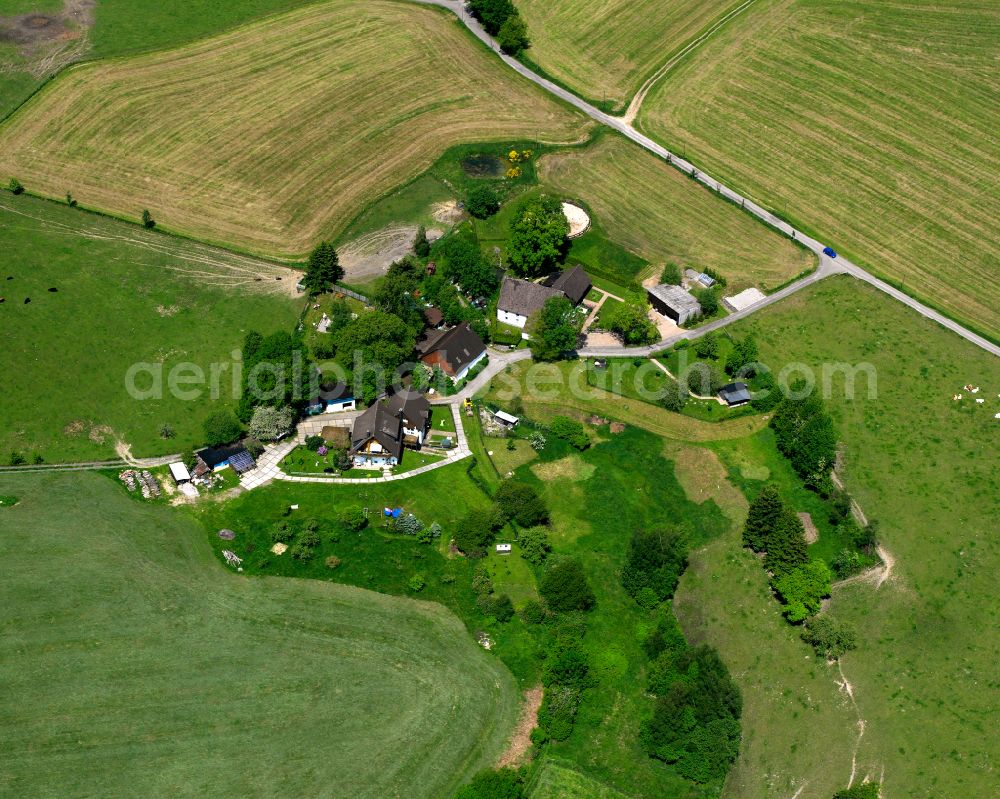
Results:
x,y
923,465
604,49
331,106
870,125
122,295
132,656
653,210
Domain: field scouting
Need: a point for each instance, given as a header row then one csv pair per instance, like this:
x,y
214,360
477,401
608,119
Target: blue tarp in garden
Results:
x,y
393,512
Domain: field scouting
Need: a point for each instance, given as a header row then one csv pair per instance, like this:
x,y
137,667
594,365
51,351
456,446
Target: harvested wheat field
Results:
x,y
275,134
872,123
658,213
604,49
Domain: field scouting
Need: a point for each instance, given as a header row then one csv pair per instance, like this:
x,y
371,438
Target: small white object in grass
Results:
x,y
980,401
295,507
490,453
996,416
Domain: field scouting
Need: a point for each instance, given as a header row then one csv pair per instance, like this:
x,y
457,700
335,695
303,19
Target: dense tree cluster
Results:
x,y
654,562
629,321
805,435
276,372
829,636
570,430
483,201
696,719
742,357
554,330
564,586
538,237
504,783
518,502
375,341
221,427
461,261
501,19
323,269
774,529
803,588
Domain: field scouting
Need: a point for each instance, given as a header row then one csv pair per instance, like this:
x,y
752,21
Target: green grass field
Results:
x,y
120,27
650,208
341,102
924,466
871,123
604,49
124,296
131,656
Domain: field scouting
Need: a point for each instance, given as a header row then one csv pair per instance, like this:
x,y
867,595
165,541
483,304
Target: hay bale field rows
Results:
x,y
653,210
273,135
130,658
604,49
872,123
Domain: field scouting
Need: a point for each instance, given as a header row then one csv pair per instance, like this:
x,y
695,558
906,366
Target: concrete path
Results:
x,y
628,131
663,368
269,464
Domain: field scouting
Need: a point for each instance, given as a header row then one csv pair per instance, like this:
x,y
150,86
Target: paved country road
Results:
x,y
622,126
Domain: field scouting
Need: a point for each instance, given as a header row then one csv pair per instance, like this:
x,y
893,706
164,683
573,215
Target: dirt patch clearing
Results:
x,y
47,42
812,534
370,256
520,740
579,220
448,212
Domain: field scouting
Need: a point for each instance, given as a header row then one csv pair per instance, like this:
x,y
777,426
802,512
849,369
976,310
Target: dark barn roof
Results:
x,y
735,394
574,283
213,456
433,316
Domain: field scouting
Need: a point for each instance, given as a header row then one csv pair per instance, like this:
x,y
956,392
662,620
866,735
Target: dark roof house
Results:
x,y
735,394
379,424
454,350
411,407
574,283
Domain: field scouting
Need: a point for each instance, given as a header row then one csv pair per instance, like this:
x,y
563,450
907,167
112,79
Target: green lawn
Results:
x,y
131,656
557,781
442,419
511,574
924,466
597,499
124,296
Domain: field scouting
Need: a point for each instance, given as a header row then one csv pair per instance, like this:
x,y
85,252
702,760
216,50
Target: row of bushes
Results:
x,y
695,723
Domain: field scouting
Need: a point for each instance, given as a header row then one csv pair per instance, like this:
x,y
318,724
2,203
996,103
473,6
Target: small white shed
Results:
x,y
180,473
505,418
503,548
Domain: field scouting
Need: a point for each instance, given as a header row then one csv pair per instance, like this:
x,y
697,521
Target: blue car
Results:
x,y
830,252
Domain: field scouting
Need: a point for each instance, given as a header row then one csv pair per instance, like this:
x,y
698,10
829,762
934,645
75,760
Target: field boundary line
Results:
x,y
640,96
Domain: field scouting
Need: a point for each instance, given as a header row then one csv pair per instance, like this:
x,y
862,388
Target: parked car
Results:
x,y
829,252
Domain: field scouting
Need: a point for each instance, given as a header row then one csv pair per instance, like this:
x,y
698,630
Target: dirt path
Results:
x,y
520,740
633,107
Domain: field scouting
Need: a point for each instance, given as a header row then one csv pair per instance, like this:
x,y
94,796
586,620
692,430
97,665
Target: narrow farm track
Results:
x,y
827,265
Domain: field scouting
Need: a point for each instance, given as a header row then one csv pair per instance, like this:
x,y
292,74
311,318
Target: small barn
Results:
x,y
735,394
674,302
180,473
506,419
